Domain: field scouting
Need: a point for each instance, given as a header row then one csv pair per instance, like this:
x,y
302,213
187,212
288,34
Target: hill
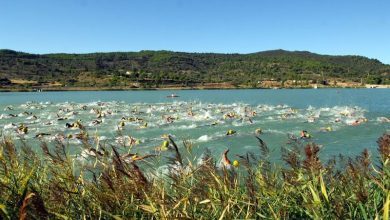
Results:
x,y
160,68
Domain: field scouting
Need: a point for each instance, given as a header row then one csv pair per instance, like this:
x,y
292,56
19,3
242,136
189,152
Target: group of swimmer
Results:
x,y
69,118
170,114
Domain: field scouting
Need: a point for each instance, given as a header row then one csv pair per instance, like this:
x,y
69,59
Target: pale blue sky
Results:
x,y
358,27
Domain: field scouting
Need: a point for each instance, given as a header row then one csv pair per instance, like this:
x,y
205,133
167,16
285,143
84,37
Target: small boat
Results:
x,y
172,96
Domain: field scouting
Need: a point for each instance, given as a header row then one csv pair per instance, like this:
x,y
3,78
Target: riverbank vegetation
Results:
x,y
162,69
107,184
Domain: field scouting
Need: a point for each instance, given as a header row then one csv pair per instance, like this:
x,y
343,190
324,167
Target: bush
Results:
x,y
111,185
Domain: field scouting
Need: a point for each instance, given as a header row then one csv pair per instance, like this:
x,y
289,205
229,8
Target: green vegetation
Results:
x,y
55,185
155,68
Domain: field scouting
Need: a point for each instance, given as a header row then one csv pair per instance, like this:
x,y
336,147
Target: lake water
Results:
x,y
279,113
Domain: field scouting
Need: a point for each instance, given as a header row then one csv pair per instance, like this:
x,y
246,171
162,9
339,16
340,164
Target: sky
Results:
x,y
335,27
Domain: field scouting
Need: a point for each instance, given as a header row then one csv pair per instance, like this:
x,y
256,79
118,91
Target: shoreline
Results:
x,y
64,89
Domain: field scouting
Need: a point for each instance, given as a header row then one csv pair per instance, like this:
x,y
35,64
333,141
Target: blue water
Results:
x,y
376,100
271,106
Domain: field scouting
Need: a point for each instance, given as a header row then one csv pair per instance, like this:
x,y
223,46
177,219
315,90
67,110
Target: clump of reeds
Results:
x,y
53,184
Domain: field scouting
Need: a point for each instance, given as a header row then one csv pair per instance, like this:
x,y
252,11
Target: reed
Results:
x,y
53,184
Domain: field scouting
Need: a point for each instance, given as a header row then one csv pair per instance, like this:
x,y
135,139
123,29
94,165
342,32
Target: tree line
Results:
x,y
167,67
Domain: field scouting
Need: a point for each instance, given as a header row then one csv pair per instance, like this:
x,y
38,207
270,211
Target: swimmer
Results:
x,y
27,113
285,116
82,135
383,119
253,113
311,119
129,119
356,122
145,125
165,136
77,124
190,113
121,125
304,134
40,135
169,119
225,160
8,108
359,121
139,120
33,117
130,158
230,132
60,118
100,114
327,129
96,122
258,131
92,152
229,115
22,129
164,146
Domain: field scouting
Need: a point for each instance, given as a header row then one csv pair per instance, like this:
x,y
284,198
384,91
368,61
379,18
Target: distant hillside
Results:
x,y
166,67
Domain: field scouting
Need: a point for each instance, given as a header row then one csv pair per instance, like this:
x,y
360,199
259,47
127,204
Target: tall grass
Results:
x,y
53,184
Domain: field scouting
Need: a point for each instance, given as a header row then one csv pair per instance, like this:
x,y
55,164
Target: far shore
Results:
x,y
210,86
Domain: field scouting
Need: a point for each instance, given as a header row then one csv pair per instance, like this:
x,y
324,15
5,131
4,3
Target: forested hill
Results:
x,y
159,67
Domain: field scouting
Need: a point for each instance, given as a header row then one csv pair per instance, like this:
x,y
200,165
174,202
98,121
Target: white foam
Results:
x,y
10,126
204,138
